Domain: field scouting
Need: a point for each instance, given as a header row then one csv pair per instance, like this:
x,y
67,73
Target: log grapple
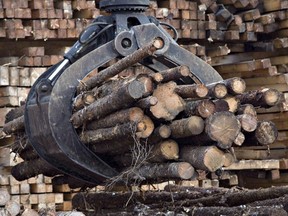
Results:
x,y
116,36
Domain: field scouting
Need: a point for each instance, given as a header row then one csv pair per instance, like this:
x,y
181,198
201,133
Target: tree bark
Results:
x,y
147,103
221,105
248,122
164,151
264,98
202,108
28,169
266,132
120,66
16,125
175,74
83,99
193,125
217,90
247,109
208,158
121,99
180,170
235,86
133,114
192,91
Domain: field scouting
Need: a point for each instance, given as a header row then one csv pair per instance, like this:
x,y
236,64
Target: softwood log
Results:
x,y
159,134
248,122
121,99
115,84
133,114
122,64
180,170
233,103
208,158
239,211
169,103
240,139
147,103
192,91
175,74
266,132
186,127
203,108
235,86
221,105
164,151
28,169
217,90
264,98
222,127
247,109
83,99
16,125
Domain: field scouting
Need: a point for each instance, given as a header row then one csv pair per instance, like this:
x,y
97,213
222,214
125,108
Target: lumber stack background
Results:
x,y
245,38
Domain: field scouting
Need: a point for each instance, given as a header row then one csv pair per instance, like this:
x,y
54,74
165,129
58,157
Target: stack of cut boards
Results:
x,y
244,38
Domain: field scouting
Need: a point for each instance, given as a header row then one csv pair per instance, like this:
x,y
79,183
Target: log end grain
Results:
x,y
266,132
223,127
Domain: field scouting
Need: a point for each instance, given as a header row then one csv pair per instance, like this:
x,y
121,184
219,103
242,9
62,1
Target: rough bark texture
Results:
x,y
203,108
208,158
163,151
175,73
192,91
193,125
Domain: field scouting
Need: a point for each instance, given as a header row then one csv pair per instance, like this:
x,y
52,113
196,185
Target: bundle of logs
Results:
x,y
153,127
184,200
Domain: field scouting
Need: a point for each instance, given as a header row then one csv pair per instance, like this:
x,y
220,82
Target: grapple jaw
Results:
x,y
49,104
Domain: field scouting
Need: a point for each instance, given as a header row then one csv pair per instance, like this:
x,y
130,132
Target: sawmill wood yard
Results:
x,y
163,108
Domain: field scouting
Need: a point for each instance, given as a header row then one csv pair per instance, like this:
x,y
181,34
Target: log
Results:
x,y
192,91
247,109
169,103
281,201
266,133
83,99
222,127
71,213
4,196
122,64
248,122
229,159
16,125
28,169
180,170
235,86
264,98
164,151
121,99
91,137
217,90
239,211
221,105
175,74
208,158
115,84
186,127
240,139
133,114
203,108
147,103
233,103
160,133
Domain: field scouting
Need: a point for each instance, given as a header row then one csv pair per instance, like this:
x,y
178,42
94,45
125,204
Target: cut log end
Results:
x,y
266,133
235,85
185,170
272,97
223,127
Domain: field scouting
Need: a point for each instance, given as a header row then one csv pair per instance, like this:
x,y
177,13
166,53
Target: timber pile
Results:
x,y
240,38
186,201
